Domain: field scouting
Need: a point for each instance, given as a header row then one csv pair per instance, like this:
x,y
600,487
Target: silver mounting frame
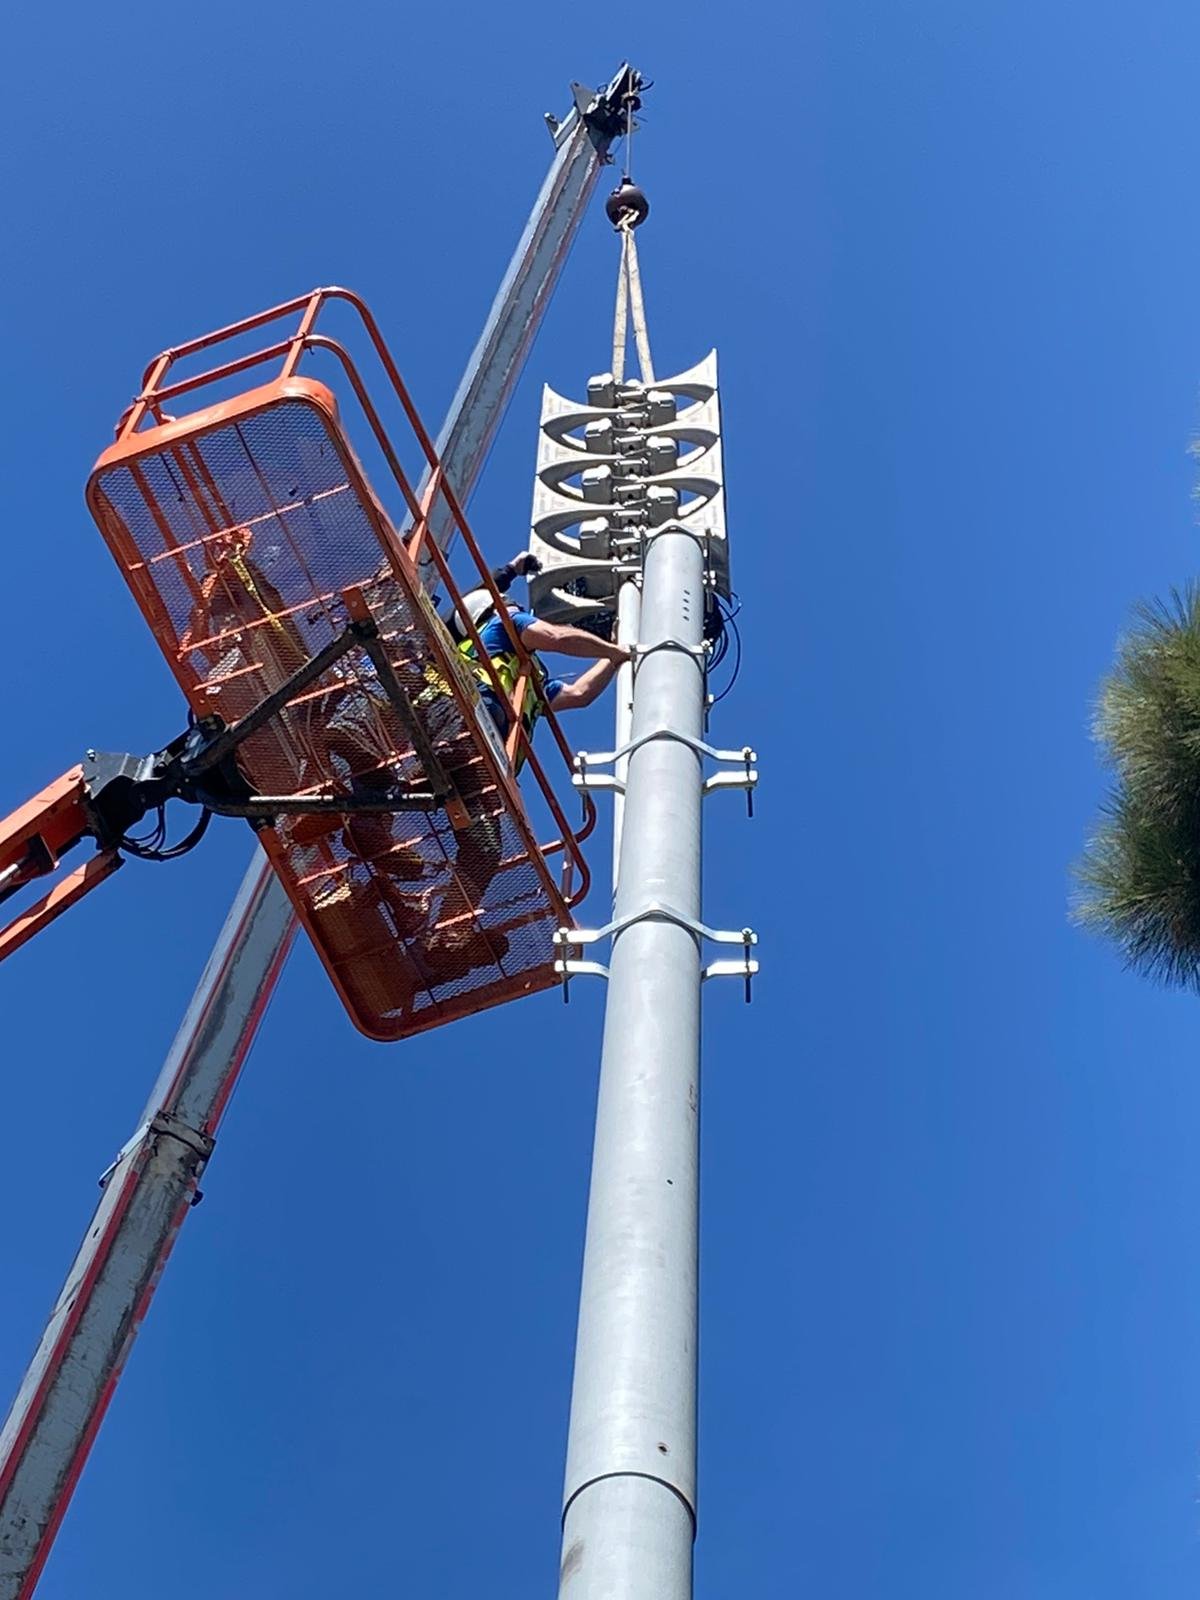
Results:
x,y
569,967
746,778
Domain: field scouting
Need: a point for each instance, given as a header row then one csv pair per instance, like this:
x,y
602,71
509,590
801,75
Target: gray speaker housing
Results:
x,y
634,457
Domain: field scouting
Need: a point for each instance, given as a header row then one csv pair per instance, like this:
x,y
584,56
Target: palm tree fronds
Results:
x,y
1139,879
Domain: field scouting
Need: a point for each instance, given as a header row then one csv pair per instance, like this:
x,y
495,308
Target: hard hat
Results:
x,y
478,605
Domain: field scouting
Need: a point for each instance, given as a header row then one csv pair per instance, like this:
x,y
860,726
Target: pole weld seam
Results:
x,y
651,1477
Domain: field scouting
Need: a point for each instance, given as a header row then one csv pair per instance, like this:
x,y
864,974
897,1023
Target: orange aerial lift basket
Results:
x,y
295,618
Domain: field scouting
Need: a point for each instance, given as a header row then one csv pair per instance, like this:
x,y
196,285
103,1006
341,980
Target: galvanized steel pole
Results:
x,y
648,511
67,1388
630,1491
629,612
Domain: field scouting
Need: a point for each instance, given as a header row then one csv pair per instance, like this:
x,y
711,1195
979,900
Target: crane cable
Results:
x,y
627,208
631,304
621,313
629,277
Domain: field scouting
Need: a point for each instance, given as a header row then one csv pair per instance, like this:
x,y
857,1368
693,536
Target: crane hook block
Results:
x,y
627,205
288,606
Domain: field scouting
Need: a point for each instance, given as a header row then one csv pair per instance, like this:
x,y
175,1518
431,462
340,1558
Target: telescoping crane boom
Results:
x,y
148,1189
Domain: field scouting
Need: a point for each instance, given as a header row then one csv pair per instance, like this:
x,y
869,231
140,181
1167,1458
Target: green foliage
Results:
x,y
1139,880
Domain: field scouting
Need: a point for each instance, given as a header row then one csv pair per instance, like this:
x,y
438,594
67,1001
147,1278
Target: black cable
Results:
x,y
191,840
737,662
153,847
153,840
718,641
727,630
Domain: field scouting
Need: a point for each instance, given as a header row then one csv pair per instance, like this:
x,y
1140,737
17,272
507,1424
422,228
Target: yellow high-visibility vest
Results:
x,y
508,670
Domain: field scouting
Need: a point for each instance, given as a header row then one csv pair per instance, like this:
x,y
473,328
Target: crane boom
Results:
x,y
147,1192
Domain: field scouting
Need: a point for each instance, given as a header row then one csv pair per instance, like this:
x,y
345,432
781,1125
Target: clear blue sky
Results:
x,y
951,1276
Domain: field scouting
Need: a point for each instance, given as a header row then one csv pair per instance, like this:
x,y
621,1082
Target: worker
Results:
x,y
535,635
241,643
349,732
481,846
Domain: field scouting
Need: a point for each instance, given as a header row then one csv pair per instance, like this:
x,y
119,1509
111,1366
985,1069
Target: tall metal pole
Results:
x,y
629,614
63,1397
629,1502
630,1490
645,512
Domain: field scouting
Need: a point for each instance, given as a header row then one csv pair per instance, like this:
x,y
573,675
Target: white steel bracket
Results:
x,y
745,775
568,967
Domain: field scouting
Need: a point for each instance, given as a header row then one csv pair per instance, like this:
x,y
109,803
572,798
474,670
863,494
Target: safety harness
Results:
x,y
508,669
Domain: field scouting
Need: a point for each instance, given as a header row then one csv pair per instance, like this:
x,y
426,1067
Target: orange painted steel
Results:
x,y
251,540
32,841
61,897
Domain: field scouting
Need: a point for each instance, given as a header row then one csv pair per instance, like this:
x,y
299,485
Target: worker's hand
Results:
x,y
620,654
524,563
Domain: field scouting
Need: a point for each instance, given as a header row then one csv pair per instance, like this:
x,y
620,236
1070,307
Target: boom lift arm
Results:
x,y
32,842
108,794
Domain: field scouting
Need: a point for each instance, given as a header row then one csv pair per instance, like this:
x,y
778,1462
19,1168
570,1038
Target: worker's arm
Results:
x,y
522,565
568,641
589,686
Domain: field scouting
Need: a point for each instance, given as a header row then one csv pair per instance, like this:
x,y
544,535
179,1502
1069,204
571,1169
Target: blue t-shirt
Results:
x,y
493,635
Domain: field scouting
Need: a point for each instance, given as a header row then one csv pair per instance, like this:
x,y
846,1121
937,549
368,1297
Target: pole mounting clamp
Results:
x,y
744,759
569,967
698,652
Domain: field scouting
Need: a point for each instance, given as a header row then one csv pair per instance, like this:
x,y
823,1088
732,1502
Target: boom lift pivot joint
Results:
x,y
110,793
